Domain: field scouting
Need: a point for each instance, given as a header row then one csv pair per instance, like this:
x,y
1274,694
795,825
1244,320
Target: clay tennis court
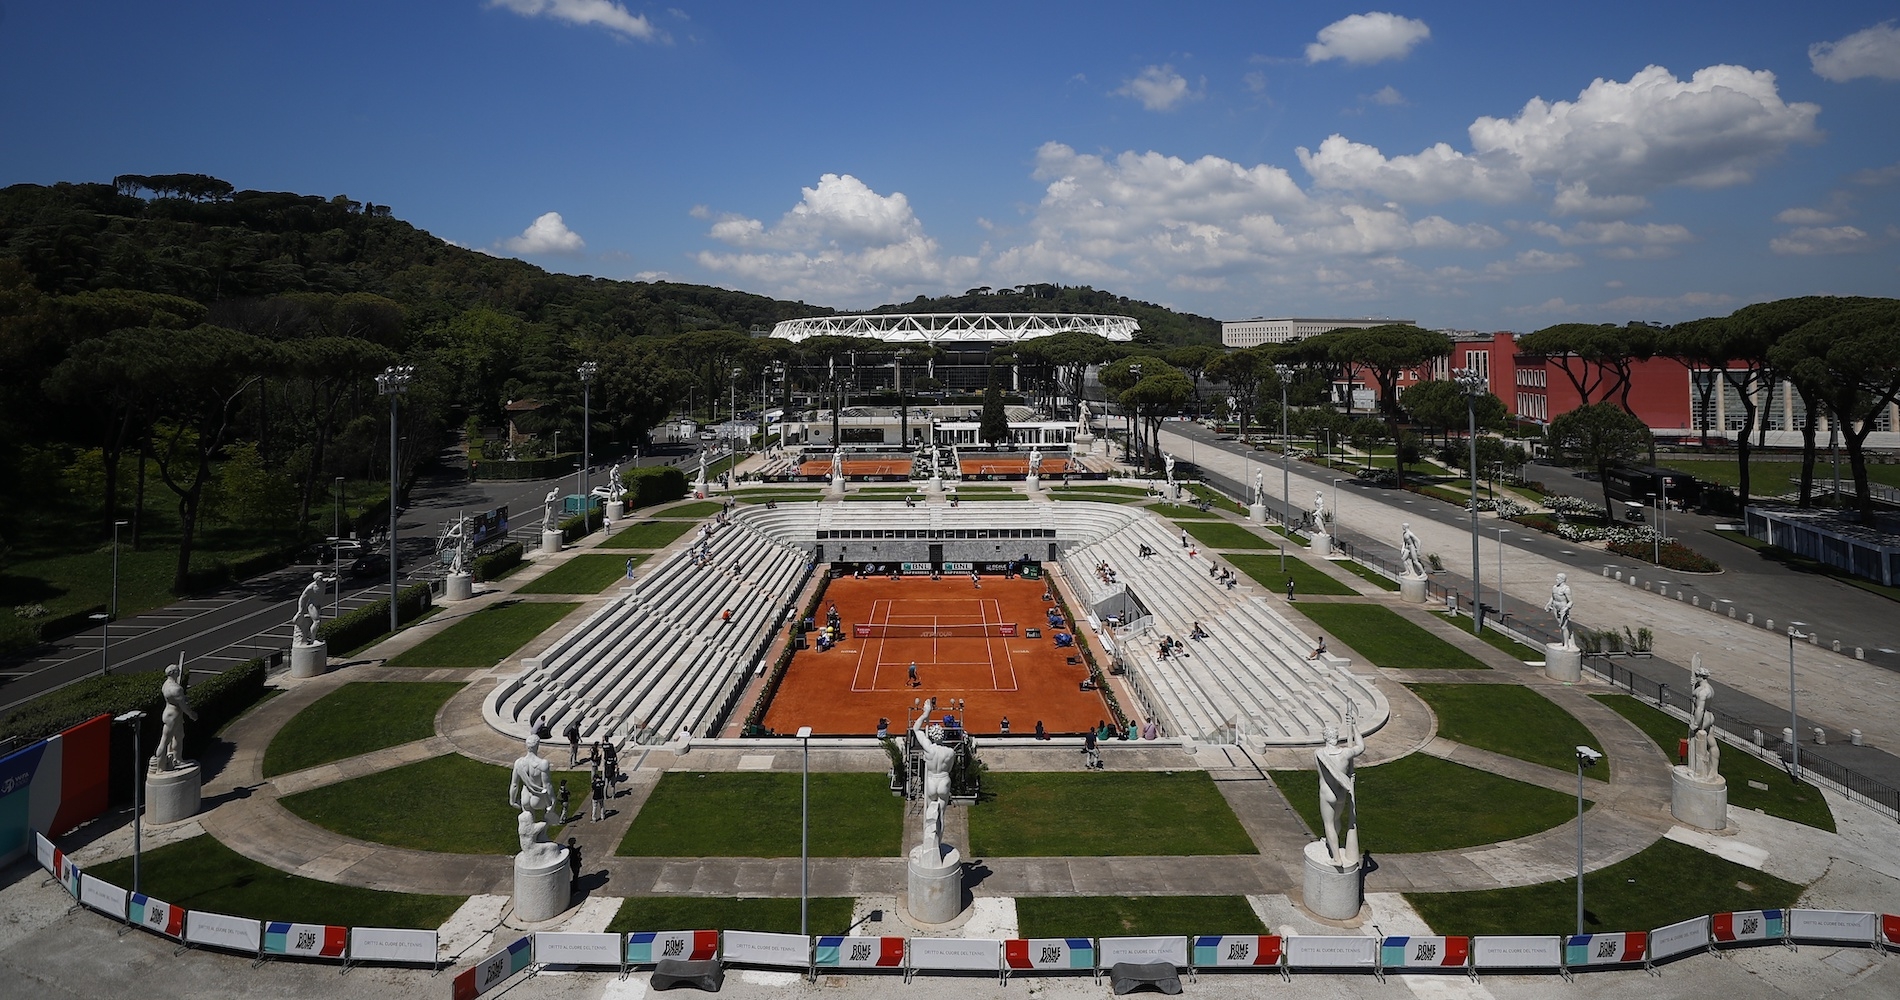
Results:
x,y
951,630
858,467
1005,465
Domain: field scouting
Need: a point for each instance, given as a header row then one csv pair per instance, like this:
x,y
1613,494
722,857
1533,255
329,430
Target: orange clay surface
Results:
x,y
1006,466
844,690
858,467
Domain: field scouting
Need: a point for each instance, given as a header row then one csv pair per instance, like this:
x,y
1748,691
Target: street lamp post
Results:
x,y
393,382
1474,385
1794,726
733,410
587,371
1586,757
1500,572
137,719
804,827
1286,479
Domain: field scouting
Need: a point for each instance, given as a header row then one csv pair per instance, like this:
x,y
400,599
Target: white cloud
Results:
x,y
1637,307
1876,176
1535,262
1871,52
546,235
1803,217
1388,96
1614,233
1160,88
1255,81
1367,38
1576,199
1817,240
589,14
1439,173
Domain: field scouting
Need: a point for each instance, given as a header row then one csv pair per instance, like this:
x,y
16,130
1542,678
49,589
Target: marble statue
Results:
x,y
1082,416
530,785
454,542
547,510
1260,488
171,739
1559,606
1167,460
1411,563
1337,809
309,612
702,467
616,487
837,464
1705,753
1035,461
937,761
536,849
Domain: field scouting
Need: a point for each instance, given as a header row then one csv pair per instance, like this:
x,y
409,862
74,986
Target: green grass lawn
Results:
x,y
773,915
1388,640
1770,477
697,511
430,612
756,815
648,535
1802,803
486,637
448,803
202,874
1517,650
1035,814
1096,496
1511,720
1661,884
355,719
586,573
1134,916
1183,513
1421,803
1368,574
1226,535
1217,498
1307,578
1100,487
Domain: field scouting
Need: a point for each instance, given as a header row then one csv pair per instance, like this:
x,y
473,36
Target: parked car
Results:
x,y
324,553
370,564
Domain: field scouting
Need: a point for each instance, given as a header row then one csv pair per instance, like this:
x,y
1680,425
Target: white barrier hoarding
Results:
x,y
561,948
392,944
1614,948
102,896
67,873
841,952
44,850
1416,952
1515,951
305,940
1324,951
1746,925
156,915
1685,935
215,930
1234,951
971,954
1112,951
1023,954
760,948
1833,925
650,947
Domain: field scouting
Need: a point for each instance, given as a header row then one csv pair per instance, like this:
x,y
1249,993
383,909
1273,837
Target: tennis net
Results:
x,y
991,630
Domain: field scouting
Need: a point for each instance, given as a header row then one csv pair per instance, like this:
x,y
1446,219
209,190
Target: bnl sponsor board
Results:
x,y
53,785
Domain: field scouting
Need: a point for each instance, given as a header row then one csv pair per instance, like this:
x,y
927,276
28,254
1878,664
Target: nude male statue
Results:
x,y
1410,562
937,761
530,784
171,739
309,612
1337,777
1559,606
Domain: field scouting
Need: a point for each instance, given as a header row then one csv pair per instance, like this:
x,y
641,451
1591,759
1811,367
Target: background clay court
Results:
x,y
859,467
844,690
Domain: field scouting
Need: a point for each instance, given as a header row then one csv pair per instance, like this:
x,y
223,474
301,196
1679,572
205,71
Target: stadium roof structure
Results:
x,y
938,328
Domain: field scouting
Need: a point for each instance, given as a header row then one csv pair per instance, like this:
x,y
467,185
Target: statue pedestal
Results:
x,y
616,509
936,884
1412,589
542,891
309,659
1331,892
936,484
1320,543
459,587
837,485
1034,482
1258,512
171,796
550,542
1696,801
1563,663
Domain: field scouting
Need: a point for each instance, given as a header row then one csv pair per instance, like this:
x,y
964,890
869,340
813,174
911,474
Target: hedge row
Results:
x,y
653,484
495,563
580,525
363,626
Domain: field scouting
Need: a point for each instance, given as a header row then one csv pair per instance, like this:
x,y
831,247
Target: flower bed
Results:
x,y
1675,555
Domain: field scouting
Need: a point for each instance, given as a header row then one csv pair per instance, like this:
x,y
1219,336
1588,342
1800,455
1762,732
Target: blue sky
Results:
x,y
1471,165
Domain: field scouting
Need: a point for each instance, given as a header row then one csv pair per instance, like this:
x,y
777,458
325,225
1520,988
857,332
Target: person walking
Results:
x,y
574,865
600,796
1091,759
913,673
1289,590
613,769
976,582
563,800
573,734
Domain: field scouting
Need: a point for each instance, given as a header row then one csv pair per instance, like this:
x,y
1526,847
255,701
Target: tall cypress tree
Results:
x,y
995,421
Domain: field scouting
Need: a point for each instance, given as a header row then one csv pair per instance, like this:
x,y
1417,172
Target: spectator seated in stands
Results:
x,y
1041,733
883,728
1319,650
1198,632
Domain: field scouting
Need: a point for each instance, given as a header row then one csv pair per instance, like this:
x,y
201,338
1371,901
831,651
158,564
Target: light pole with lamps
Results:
x,y
1473,384
804,827
1286,478
336,550
1332,544
1794,725
1586,757
137,719
111,612
1500,572
393,382
733,414
586,371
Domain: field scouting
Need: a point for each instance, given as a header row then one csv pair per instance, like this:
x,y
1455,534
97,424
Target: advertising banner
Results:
x,y
102,896
1514,951
650,947
1833,925
1605,949
1115,950
1049,953
44,852
305,940
67,873
560,948
835,951
216,930
1322,951
1746,925
1236,950
156,915
392,944
971,954
760,948
1890,928
1684,935
1424,952
490,972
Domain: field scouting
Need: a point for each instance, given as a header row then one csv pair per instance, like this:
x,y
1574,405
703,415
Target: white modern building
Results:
x,y
1252,332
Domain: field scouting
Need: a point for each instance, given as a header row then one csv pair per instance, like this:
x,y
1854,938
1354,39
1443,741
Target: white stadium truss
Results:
x,y
937,328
